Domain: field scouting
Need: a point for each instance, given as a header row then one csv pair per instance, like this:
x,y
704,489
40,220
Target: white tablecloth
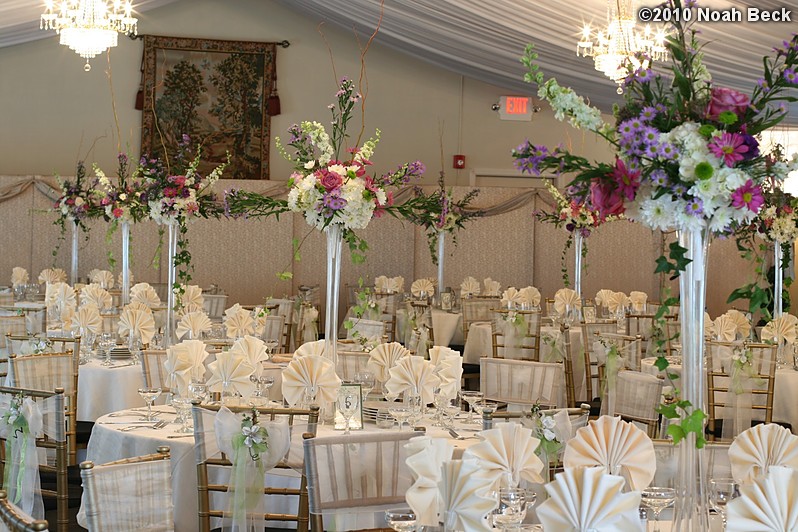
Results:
x,y
785,395
105,389
446,326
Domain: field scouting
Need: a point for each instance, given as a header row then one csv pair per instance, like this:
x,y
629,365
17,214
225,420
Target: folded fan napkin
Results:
x,y
530,295
129,278
420,286
450,372
186,362
507,455
385,356
235,309
587,498
87,317
139,322
438,353
192,296
144,293
413,374
389,285
425,456
617,445
781,330
768,503
61,295
492,288
188,309
195,323
755,450
566,297
470,287
311,349
19,276
617,301
52,275
313,374
511,297
463,494
104,278
96,295
399,283
138,305
739,319
233,368
724,329
254,350
638,300
602,297
709,327
239,324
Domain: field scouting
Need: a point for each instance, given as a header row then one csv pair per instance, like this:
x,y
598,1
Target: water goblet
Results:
x,y
438,401
348,401
150,395
199,389
401,413
134,346
512,506
721,491
416,408
271,345
107,343
450,411
260,396
366,380
471,397
401,519
183,408
657,499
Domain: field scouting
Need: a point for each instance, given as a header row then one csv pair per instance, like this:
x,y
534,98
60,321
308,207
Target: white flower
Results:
x,y
79,201
549,435
310,164
548,422
252,435
122,197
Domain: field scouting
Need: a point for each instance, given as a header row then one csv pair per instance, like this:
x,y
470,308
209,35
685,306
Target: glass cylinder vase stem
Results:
x,y
578,243
692,511
73,268
335,235
171,279
125,263
778,280
441,245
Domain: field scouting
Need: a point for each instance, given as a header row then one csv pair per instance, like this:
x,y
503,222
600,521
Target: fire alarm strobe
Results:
x,y
458,161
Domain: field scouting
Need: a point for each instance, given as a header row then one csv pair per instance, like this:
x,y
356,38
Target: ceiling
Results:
x,y
484,40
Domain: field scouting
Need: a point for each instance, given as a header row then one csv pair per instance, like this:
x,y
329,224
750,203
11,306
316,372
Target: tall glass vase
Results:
x,y
171,277
73,267
441,243
335,235
778,280
692,511
578,244
125,263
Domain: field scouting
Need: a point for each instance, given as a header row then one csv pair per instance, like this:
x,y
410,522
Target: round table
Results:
x,y
105,389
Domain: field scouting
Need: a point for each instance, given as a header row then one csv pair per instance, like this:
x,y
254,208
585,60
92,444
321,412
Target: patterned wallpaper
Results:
x,y
242,256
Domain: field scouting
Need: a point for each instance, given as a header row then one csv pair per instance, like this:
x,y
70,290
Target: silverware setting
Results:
x,y
159,425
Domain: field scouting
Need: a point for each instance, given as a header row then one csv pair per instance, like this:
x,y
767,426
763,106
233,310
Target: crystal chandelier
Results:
x,y
620,46
89,27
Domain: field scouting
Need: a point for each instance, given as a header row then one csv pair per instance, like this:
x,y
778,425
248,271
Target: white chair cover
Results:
x,y
522,382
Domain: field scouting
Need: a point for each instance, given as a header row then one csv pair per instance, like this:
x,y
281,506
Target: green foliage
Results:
x,y
677,263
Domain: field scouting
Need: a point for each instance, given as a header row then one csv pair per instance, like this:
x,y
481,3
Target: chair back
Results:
x,y
214,305
477,309
630,347
351,362
214,464
592,377
48,371
152,368
14,325
274,328
35,318
673,330
57,442
111,323
637,396
360,472
720,385
523,340
373,330
16,520
522,382
387,302
129,494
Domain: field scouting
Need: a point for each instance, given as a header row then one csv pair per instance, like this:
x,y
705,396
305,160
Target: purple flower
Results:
x,y
648,113
790,76
649,135
753,147
695,207
416,168
333,201
659,177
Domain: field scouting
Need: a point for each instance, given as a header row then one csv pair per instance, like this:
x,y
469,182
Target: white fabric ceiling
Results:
x,y
483,39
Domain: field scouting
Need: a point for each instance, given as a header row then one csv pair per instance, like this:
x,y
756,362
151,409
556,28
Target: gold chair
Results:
x,y
275,329
16,520
637,396
59,444
522,382
106,485
367,469
206,463
592,377
153,371
477,309
673,329
719,383
631,347
528,335
36,318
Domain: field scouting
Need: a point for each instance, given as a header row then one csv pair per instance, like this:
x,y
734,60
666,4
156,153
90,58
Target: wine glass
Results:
x,y
512,506
471,397
657,499
107,343
149,395
416,408
401,519
183,408
400,412
260,396
366,380
348,401
271,345
199,389
721,491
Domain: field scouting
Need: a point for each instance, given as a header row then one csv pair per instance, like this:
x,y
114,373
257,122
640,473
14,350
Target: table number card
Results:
x,y
356,402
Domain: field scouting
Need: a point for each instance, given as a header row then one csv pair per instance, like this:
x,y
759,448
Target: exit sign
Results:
x,y
516,108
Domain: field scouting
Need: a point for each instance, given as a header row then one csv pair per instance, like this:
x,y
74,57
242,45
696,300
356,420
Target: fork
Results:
x,y
159,425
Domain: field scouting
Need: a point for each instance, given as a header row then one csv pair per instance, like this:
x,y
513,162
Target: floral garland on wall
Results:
x,y
685,152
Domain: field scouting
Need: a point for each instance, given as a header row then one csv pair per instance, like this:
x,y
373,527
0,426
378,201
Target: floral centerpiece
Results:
x,y
123,200
331,188
685,158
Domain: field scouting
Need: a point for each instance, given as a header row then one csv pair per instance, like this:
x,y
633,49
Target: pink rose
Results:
x,y
118,212
606,198
329,180
723,99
